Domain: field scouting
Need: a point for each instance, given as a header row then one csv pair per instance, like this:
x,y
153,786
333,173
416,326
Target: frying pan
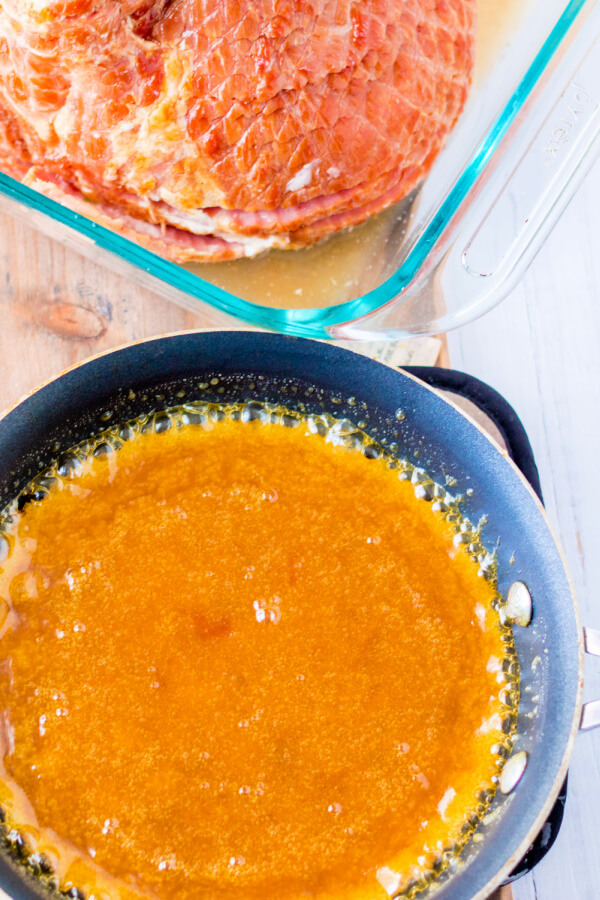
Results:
x,y
431,433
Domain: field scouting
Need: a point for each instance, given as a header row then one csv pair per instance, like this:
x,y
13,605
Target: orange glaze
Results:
x,y
241,662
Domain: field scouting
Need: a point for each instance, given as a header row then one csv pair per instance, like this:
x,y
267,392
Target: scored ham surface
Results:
x,y
213,129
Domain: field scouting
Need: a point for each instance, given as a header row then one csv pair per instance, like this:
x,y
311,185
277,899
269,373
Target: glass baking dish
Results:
x,y
444,255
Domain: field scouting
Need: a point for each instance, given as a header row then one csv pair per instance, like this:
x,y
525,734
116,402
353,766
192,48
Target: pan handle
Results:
x,y
590,714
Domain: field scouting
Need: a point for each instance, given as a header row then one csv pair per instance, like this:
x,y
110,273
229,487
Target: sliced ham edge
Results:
x,y
208,235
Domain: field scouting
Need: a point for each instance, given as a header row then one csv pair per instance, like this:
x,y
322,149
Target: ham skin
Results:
x,y
213,129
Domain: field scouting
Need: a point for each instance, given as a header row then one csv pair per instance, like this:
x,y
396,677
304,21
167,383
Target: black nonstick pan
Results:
x,y
437,438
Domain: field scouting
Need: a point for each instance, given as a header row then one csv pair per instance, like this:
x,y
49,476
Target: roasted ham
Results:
x,y
213,129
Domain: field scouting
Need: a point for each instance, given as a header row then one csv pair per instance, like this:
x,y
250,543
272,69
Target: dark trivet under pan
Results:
x,y
505,420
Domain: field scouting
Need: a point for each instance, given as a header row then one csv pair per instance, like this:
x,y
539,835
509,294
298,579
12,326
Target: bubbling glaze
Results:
x,y
241,657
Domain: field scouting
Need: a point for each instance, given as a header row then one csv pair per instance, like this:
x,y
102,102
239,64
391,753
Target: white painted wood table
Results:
x,y
541,349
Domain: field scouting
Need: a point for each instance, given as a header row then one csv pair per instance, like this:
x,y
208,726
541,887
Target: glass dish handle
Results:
x,y
522,188
543,180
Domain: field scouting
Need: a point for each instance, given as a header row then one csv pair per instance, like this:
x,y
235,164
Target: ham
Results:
x,y
213,129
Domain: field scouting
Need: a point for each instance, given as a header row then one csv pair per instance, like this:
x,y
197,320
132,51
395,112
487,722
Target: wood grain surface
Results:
x,y
56,309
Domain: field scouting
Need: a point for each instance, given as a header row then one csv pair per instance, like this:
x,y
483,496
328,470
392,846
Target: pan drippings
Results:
x,y
243,660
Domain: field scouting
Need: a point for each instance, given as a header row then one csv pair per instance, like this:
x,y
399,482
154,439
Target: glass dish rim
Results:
x,y
313,322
